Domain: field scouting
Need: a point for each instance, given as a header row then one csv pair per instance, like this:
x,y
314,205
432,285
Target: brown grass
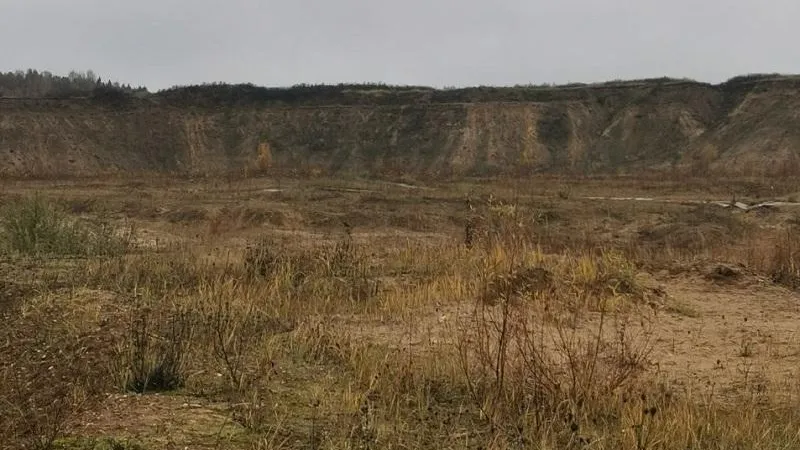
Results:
x,y
542,333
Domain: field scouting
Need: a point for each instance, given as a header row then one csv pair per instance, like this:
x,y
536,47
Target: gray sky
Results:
x,y
160,43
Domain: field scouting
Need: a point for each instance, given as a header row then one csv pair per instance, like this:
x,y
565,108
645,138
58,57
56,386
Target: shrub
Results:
x,y
524,372
154,357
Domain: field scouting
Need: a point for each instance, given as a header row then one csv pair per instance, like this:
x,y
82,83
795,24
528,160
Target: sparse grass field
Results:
x,y
326,314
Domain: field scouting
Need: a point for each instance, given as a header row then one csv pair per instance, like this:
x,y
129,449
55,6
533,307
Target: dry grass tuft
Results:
x,y
784,263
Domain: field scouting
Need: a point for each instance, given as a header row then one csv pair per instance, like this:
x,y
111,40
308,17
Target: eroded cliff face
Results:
x,y
745,129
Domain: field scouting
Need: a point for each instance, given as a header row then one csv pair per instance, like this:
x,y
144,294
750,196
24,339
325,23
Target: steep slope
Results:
x,y
760,134
744,127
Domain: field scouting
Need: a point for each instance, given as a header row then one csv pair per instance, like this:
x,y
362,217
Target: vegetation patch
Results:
x,y
105,443
531,334
33,226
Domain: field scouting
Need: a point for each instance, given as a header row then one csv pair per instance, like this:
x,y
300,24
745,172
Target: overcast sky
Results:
x,y
159,43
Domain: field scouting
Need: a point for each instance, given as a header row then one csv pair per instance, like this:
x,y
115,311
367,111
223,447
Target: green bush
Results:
x,y
36,227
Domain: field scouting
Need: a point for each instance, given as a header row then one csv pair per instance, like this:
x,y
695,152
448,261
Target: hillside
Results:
x,y
746,126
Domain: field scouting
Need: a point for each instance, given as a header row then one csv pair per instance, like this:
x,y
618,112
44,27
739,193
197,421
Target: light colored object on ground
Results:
x,y
746,207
